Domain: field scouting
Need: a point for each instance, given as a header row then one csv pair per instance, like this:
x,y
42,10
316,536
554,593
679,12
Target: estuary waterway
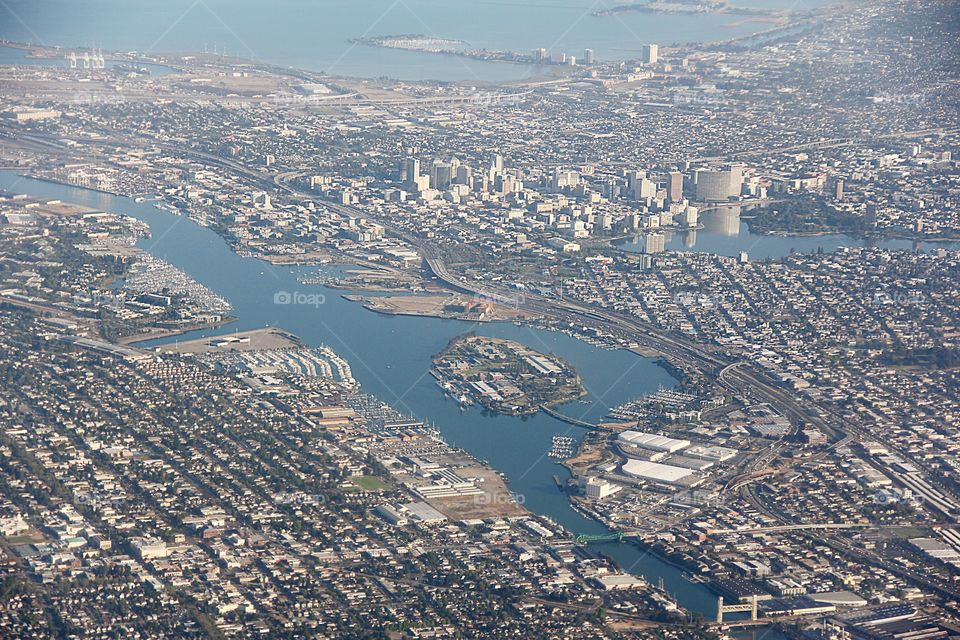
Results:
x,y
391,357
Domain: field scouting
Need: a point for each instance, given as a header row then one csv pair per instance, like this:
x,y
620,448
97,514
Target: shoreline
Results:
x,y
162,58
160,334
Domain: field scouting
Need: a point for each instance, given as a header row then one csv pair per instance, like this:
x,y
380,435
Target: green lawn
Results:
x,y
370,483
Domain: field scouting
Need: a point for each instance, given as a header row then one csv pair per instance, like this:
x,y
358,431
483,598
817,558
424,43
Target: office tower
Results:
x,y
539,55
412,170
572,61
560,57
871,216
639,186
719,185
588,56
479,182
441,174
496,167
648,189
675,186
650,53
838,189
464,175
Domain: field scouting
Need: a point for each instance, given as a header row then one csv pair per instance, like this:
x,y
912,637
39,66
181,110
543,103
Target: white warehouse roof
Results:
x,y
653,441
656,472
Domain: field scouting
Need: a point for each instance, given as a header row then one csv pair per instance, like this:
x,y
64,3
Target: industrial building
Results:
x,y
653,441
661,473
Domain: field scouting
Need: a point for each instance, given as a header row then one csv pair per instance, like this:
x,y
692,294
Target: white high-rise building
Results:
x,y
690,217
651,53
719,185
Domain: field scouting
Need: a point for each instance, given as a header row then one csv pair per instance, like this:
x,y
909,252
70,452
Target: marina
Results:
x,y
562,447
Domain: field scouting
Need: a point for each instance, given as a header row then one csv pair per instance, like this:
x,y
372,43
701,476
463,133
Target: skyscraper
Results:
x,y
651,53
411,171
654,242
464,174
588,56
675,186
719,185
838,189
640,186
441,174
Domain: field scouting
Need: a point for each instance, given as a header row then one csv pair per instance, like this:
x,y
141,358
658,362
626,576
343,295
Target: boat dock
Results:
x,y
562,447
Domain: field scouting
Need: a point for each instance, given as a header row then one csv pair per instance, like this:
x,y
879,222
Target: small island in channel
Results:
x,y
504,376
